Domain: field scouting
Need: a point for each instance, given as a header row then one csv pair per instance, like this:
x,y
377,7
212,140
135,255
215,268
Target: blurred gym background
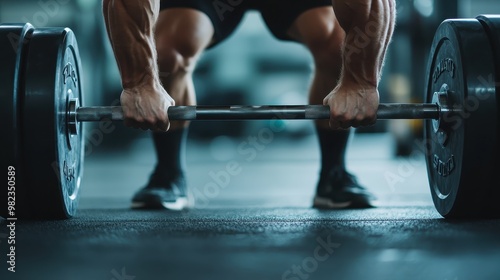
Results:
x,y
404,236
252,67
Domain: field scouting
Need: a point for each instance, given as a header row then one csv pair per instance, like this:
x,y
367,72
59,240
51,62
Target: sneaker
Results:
x,y
156,196
340,190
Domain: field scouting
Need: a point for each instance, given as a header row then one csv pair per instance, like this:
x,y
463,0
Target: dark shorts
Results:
x,y
225,15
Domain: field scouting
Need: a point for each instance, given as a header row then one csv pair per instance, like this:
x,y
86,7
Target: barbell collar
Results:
x,y
294,112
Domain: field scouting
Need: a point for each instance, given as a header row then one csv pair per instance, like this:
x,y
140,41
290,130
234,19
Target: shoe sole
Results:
x,y
326,203
179,205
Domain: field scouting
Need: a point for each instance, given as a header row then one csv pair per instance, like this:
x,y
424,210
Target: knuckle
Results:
x,y
127,114
344,117
336,113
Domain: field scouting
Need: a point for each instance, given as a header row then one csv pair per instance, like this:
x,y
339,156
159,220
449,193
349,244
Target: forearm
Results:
x,y
369,25
130,25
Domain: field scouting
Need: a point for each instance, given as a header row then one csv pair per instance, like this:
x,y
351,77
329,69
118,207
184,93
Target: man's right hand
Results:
x,y
145,107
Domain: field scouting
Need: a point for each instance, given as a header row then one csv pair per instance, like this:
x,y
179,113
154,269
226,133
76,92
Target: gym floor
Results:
x,y
258,224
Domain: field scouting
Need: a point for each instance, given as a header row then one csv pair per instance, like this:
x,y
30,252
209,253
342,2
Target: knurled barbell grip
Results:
x,y
294,112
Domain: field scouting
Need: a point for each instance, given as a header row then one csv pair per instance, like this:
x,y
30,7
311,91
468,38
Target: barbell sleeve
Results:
x,y
284,112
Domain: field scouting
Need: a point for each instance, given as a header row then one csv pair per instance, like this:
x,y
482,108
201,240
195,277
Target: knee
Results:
x,y
325,44
177,53
181,35
174,60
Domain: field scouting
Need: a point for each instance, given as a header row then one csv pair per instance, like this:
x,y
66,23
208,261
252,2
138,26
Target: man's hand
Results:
x,y
130,27
145,107
353,105
369,26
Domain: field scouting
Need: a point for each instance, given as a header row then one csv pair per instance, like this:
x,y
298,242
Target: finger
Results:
x,y
163,124
150,124
334,124
130,123
157,129
338,127
162,127
326,100
166,125
143,125
368,121
345,125
358,121
344,121
335,119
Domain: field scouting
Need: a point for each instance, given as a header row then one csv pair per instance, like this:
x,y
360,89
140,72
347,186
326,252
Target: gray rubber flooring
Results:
x,y
257,226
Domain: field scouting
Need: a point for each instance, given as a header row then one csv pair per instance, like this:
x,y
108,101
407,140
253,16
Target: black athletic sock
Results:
x,y
333,145
170,152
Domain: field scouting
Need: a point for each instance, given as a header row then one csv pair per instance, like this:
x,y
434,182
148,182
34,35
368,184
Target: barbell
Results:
x,y
41,111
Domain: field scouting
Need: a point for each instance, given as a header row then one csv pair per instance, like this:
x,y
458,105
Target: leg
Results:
x,y
321,33
181,35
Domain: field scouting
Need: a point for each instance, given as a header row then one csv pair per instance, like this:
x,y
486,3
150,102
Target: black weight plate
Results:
x,y
491,24
53,158
461,171
13,43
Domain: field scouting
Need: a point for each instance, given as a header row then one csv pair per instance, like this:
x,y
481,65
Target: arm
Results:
x,y
130,25
369,25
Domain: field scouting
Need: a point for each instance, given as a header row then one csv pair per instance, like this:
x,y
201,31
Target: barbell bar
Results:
x,y
288,112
